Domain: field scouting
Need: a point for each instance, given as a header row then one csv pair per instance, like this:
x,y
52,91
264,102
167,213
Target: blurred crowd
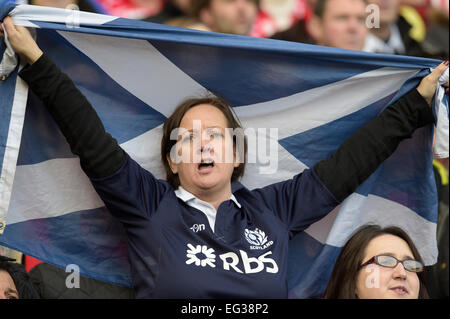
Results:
x,y
406,27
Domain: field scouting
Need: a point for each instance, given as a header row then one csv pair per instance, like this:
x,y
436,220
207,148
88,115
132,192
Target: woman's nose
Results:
x,y
206,143
399,271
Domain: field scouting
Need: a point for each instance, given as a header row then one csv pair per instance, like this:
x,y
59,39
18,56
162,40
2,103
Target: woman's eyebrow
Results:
x,y
218,127
405,257
388,254
10,290
207,128
215,126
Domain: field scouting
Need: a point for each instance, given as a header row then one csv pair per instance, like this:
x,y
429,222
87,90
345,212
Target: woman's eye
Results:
x,y
188,138
215,134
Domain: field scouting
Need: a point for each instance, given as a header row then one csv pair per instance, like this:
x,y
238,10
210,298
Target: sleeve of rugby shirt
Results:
x,y
99,153
314,193
101,158
361,154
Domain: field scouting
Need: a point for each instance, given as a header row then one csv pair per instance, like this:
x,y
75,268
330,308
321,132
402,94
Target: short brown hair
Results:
x,y
174,121
342,283
198,5
320,7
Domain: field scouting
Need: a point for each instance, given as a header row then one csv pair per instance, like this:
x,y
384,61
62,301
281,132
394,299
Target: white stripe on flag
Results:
x,y
22,15
441,146
357,210
288,166
303,111
145,149
12,148
139,68
50,189
64,187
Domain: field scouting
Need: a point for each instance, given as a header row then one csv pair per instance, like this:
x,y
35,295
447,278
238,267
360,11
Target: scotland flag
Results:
x,y
136,73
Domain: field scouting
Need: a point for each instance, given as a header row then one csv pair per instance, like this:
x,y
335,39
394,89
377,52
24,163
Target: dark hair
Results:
x,y
320,7
199,5
174,121
342,283
21,279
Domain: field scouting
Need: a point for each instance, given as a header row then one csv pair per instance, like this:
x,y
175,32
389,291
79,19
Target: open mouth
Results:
x,y
206,164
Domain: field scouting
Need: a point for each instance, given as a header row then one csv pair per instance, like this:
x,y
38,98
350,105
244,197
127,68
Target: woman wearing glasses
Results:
x,y
378,263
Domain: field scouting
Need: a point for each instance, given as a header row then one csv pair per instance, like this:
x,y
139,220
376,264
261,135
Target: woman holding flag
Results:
x,y
201,234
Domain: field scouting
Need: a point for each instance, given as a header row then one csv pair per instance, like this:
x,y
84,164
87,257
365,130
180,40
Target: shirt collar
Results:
x,y
392,46
395,41
185,196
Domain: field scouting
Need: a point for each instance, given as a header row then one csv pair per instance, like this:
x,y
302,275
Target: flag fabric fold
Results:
x,y
135,74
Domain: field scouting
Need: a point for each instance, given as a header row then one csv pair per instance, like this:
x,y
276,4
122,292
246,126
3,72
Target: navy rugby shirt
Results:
x,y
173,251
176,254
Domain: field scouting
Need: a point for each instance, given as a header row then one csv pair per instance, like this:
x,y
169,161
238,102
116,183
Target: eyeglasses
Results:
x,y
392,262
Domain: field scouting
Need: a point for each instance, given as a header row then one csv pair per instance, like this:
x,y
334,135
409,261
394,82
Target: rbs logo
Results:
x,y
202,256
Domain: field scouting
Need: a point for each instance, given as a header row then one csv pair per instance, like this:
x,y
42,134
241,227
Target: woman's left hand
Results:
x,y
428,85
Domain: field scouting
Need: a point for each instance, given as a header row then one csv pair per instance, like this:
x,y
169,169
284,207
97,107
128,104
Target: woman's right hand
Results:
x,y
21,41
428,85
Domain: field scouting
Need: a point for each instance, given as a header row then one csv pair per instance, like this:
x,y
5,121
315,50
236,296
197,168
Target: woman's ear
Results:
x,y
314,28
237,155
173,166
206,17
239,146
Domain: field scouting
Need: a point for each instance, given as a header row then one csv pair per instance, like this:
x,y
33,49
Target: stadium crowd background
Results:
x,y
407,27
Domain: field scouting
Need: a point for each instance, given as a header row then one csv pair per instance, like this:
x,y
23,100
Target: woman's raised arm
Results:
x,y
100,155
360,155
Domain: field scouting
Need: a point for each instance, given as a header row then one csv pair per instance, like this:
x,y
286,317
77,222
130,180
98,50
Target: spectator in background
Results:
x,y
51,283
83,5
393,35
339,23
437,274
279,15
11,253
424,7
53,3
437,38
173,9
396,267
227,16
297,32
131,9
14,281
178,13
187,22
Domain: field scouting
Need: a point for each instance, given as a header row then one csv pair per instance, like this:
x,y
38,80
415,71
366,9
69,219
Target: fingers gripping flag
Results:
x,y
136,73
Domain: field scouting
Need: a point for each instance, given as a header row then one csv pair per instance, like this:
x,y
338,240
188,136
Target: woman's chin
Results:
x,y
208,184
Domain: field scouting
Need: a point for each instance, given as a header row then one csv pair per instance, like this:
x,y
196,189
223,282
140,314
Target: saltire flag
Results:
x,y
136,73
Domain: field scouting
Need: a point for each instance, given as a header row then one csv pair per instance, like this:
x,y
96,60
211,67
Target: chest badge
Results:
x,y
257,239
